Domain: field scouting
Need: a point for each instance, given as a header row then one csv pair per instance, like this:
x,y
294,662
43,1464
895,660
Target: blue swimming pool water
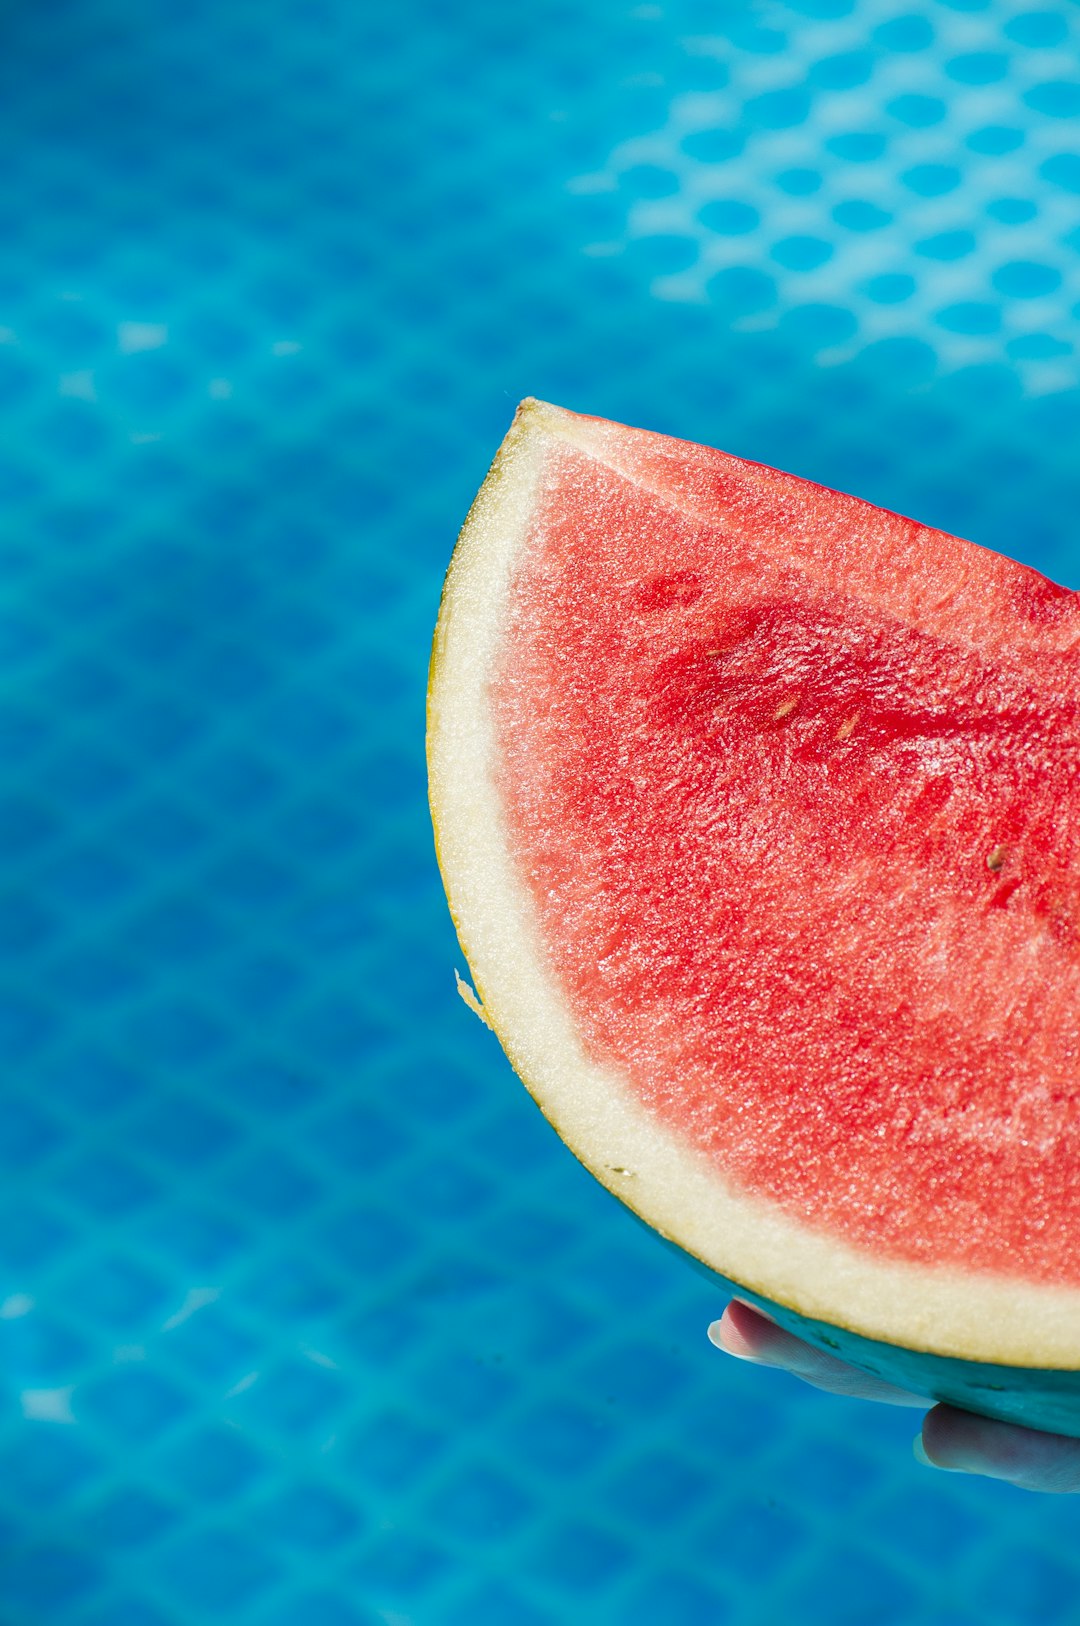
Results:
x,y
306,1319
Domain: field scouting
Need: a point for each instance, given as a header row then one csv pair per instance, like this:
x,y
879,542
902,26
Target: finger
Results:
x,y
964,1443
750,1336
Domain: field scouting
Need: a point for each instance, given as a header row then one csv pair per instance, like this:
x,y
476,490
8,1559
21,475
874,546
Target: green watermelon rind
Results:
x,y
1044,1398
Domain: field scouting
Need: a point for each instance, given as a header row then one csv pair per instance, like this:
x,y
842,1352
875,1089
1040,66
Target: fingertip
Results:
x,y
726,1336
958,1441
965,1442
740,1332
921,1454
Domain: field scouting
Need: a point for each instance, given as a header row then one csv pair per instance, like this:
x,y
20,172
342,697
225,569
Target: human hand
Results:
x,y
951,1439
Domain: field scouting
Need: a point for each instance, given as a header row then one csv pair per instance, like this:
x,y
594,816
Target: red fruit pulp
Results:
x,y
792,784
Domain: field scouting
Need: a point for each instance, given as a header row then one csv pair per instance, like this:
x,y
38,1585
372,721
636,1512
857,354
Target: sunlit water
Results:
x,y
306,1319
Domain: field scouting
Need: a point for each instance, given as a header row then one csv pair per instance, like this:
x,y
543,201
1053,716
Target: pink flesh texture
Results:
x,y
791,782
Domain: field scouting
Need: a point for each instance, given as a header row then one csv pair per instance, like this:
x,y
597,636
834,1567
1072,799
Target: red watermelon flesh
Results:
x,y
791,784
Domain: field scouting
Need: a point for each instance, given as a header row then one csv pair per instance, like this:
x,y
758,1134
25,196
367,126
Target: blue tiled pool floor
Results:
x,y
306,1318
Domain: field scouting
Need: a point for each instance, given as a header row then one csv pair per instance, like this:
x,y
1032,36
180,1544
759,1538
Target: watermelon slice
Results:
x,y
756,811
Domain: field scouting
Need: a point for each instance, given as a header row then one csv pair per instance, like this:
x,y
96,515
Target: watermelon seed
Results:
x,y
785,708
995,858
845,729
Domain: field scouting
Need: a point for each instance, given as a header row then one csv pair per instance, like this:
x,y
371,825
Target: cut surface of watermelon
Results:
x,y
756,810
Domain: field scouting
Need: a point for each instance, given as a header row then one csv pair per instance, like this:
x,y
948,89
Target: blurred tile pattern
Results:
x,y
305,1318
